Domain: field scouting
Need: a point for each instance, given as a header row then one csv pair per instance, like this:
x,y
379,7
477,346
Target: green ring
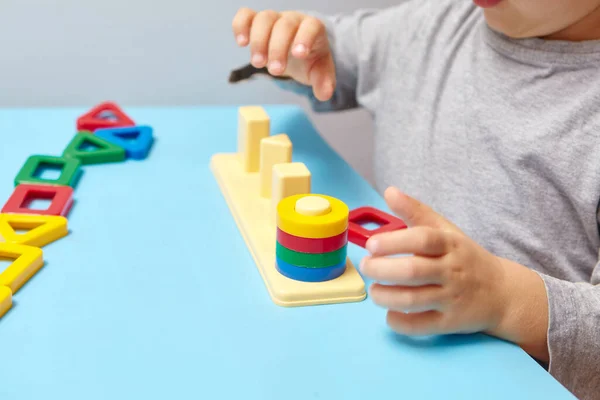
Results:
x,y
311,260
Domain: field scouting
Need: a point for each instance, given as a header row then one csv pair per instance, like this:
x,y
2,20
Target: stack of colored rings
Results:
x,y
312,237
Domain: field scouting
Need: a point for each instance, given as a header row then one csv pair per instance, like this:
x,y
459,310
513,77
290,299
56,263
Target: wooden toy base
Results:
x,y
256,220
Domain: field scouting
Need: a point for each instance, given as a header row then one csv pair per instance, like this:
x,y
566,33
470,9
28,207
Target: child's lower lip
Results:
x,y
486,3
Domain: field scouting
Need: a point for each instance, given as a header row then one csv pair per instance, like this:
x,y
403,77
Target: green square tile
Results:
x,y
70,170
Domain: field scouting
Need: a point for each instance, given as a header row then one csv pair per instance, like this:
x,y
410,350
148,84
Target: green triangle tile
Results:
x,y
91,149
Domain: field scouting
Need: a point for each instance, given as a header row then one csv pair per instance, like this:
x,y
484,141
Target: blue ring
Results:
x,y
310,274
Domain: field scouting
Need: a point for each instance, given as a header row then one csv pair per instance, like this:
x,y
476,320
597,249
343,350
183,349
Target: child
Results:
x,y
489,115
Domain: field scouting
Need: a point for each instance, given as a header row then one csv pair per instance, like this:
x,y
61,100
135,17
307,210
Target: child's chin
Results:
x,y
507,26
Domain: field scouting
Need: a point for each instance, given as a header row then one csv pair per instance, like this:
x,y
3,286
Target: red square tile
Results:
x,y
61,199
359,235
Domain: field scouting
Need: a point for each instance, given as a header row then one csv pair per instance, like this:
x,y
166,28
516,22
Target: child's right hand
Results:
x,y
289,44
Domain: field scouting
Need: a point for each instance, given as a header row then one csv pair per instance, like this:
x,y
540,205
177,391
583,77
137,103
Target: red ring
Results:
x,y
312,246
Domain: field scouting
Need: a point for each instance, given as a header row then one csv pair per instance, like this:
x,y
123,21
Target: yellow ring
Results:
x,y
308,226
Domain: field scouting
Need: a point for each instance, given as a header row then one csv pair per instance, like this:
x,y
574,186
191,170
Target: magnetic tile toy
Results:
x,y
359,235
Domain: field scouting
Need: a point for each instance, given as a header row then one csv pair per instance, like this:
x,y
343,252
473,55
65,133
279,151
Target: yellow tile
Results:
x,y
275,149
27,260
254,124
5,300
43,229
288,180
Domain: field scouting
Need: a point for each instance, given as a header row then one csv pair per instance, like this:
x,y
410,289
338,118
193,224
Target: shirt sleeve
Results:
x,y
360,42
574,333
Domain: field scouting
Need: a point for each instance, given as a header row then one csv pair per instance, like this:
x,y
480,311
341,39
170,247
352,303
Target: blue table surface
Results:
x,y
154,294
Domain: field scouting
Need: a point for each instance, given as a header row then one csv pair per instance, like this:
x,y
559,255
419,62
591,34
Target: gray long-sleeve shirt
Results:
x,y
500,136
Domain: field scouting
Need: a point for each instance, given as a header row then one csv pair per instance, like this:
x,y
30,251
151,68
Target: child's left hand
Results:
x,y
444,282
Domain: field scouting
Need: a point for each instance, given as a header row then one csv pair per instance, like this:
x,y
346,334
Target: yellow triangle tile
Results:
x,y
27,260
43,229
5,300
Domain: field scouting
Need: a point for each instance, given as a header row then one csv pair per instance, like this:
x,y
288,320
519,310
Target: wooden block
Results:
x,y
253,125
256,222
274,150
289,179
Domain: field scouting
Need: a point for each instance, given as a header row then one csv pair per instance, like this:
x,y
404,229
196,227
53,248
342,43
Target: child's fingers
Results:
x,y
282,36
419,324
272,36
242,21
260,34
420,240
404,271
309,32
408,298
322,77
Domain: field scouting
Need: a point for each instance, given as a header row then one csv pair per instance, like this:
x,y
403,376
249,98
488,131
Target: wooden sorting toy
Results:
x,y
61,199
288,216
41,229
70,170
104,115
102,150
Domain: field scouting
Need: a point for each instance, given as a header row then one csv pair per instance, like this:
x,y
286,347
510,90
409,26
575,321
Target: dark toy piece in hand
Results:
x,y
247,71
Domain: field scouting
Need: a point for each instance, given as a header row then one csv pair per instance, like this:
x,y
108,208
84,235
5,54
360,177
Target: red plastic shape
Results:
x,y
61,199
93,120
359,235
312,246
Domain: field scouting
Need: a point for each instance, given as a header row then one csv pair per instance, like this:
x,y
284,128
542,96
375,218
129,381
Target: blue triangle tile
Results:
x,y
136,140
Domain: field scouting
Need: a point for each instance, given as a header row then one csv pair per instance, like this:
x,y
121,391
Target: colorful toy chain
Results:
x,y
105,134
